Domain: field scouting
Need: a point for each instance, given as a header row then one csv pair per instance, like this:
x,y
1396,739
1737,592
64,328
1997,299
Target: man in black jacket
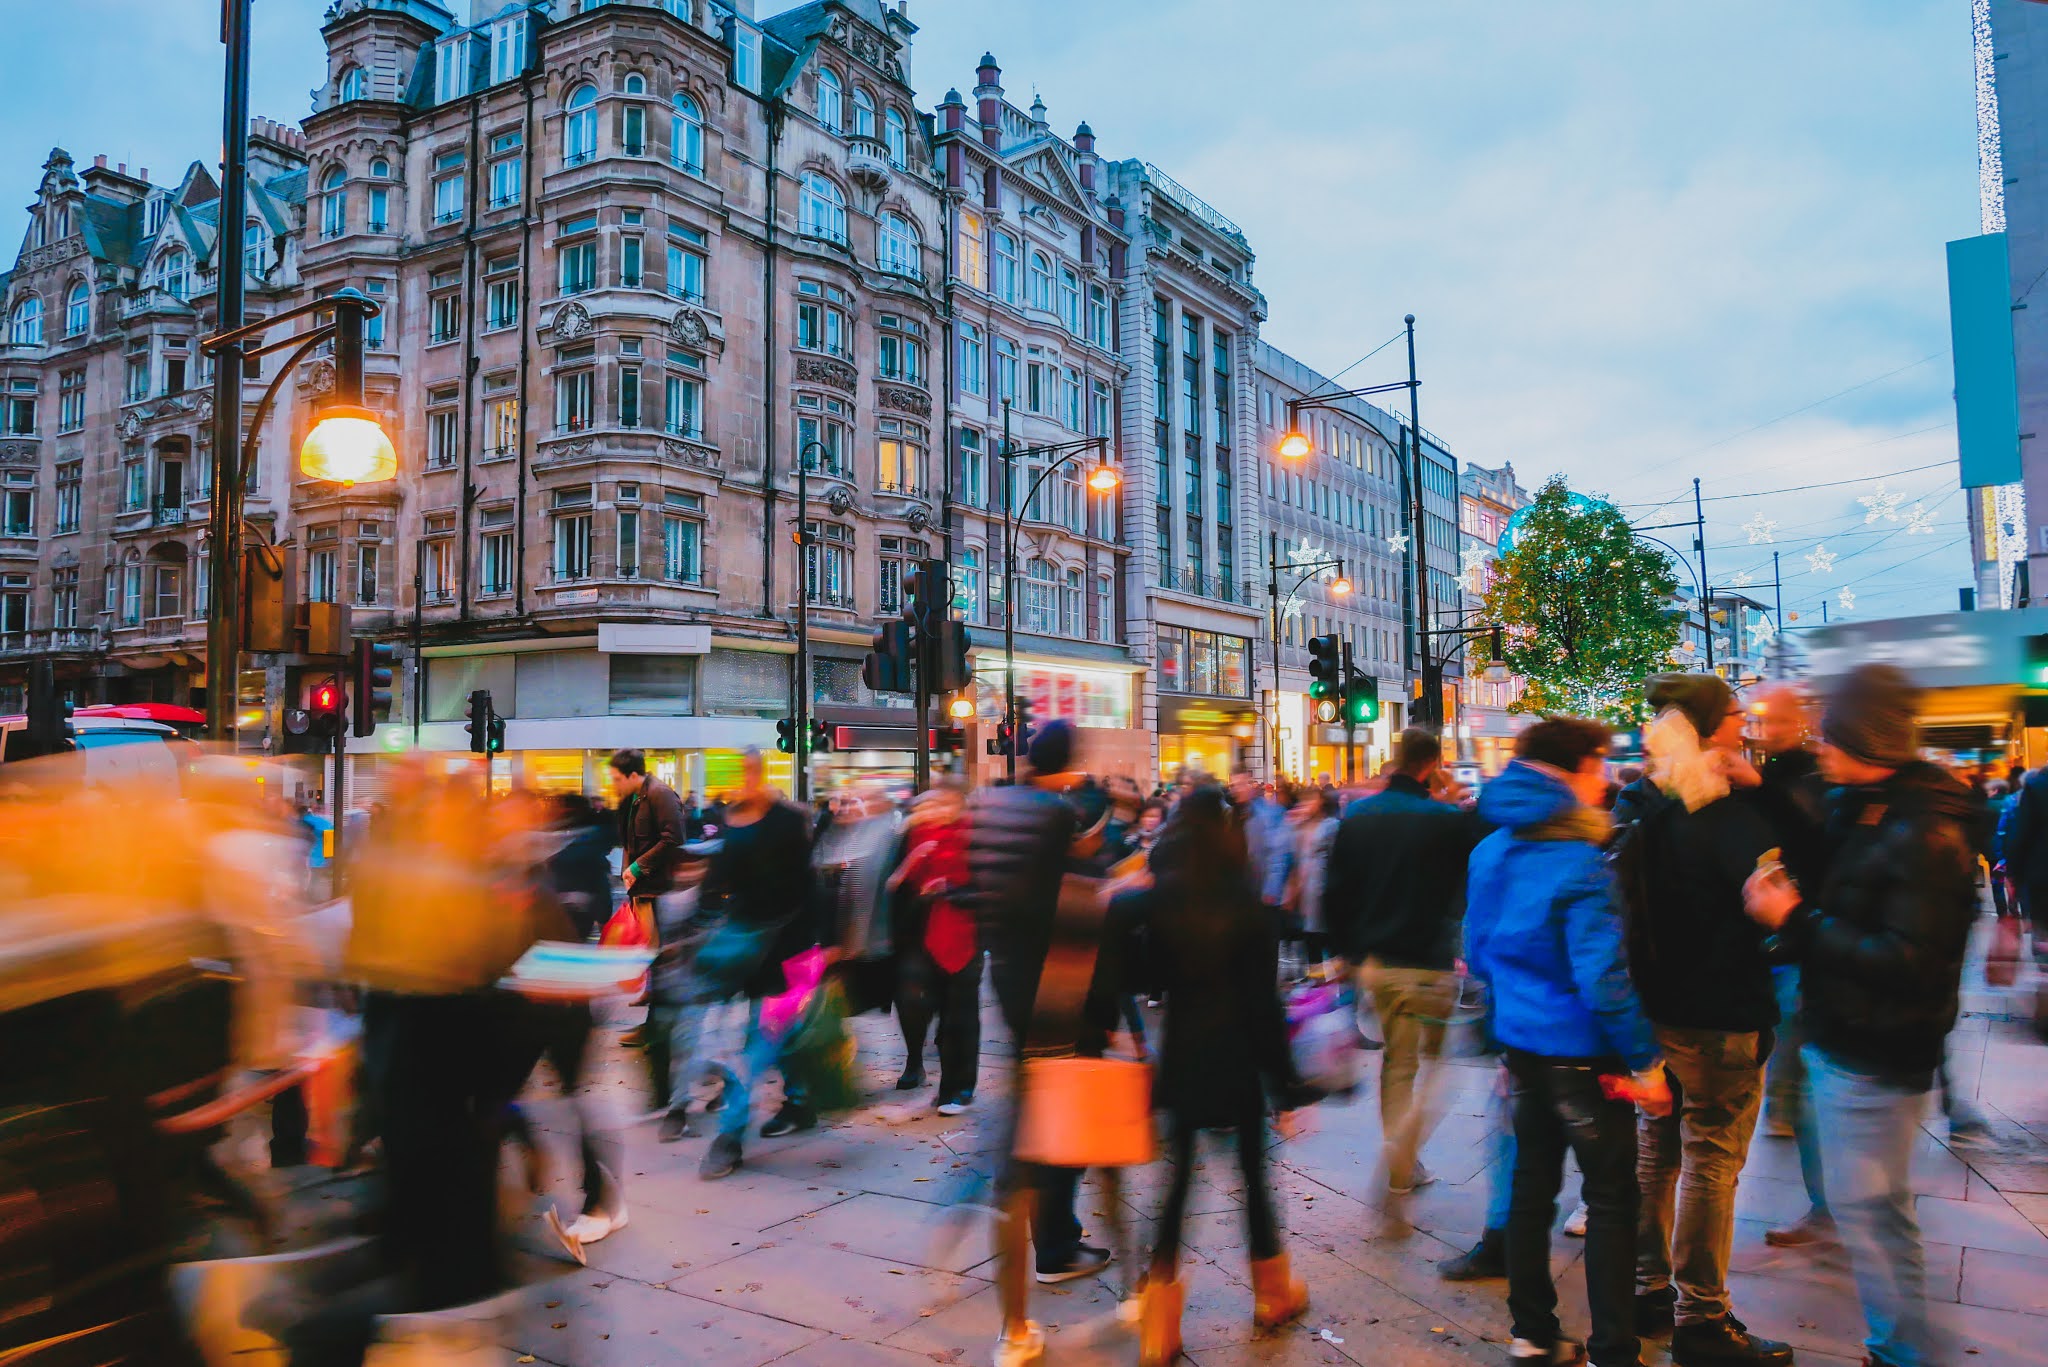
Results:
x,y
1393,900
1022,842
1880,942
651,834
1699,966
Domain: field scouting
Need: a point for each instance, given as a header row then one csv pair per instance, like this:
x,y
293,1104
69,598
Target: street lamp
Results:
x,y
1295,445
347,446
802,538
1105,478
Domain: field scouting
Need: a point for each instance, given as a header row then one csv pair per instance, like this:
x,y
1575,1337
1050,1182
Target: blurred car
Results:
x,y
116,747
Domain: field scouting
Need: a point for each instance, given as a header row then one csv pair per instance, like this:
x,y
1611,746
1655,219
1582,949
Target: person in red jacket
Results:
x,y
939,958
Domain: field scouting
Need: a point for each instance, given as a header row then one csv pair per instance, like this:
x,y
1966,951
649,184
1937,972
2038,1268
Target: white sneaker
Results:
x,y
955,1105
1575,1223
1563,1353
1021,1352
591,1226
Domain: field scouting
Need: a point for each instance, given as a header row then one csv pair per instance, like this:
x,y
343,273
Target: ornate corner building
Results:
x,y
638,261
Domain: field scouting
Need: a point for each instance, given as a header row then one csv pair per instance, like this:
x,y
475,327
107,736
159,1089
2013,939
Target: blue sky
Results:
x,y
1636,236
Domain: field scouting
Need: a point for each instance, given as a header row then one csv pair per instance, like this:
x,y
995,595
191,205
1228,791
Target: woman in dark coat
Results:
x,y
1200,938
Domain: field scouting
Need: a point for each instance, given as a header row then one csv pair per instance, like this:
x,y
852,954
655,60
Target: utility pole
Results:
x,y
1778,613
1699,545
224,585
1432,691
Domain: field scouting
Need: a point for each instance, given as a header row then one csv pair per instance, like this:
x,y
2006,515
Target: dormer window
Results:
x,y
508,48
174,273
451,70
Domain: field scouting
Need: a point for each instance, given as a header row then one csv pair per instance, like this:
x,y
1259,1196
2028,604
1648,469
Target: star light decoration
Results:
x,y
1919,519
1304,555
1760,528
1742,579
1847,598
1821,560
1882,504
1763,631
1472,569
1398,544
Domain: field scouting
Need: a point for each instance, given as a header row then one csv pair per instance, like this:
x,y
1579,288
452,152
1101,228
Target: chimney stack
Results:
x,y
1084,146
100,162
988,94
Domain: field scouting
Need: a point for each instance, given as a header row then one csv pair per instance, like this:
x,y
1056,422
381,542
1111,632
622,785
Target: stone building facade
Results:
x,y
637,261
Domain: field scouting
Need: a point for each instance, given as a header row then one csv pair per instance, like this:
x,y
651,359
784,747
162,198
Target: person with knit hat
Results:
x,y
1879,934
1700,828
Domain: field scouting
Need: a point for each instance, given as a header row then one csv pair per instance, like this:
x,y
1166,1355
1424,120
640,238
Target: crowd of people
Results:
x,y
1774,907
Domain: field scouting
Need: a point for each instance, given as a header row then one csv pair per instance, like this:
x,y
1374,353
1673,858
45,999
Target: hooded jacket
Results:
x,y
1881,946
1543,926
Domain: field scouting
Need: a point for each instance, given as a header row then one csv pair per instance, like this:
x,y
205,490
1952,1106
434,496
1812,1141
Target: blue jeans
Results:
x,y
1871,1124
1790,1096
1500,1171
758,1056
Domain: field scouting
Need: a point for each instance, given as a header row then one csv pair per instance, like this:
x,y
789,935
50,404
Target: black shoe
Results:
x,y
722,1159
789,1120
675,1125
912,1079
1487,1258
1725,1343
1085,1262
1653,1311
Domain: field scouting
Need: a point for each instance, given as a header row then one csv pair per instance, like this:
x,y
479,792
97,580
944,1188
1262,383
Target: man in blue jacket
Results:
x,y
1543,928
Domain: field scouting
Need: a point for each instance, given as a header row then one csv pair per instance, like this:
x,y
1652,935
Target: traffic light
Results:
x,y
372,667
1325,671
2034,662
950,669
325,709
1020,730
821,738
1326,711
1361,700
887,667
495,735
785,735
479,723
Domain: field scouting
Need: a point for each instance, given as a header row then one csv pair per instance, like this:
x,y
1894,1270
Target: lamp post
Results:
x,y
1103,479
1295,445
1340,586
346,446
802,538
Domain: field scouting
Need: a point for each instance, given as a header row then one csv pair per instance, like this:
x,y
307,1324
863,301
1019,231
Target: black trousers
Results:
x,y
925,990
1558,1106
1262,1231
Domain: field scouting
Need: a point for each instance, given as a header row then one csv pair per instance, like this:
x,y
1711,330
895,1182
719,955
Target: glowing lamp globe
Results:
x,y
347,446
1294,446
960,709
1104,478
1341,585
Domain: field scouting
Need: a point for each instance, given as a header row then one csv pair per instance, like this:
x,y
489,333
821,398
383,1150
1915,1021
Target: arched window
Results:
x,y
78,309
1070,607
863,113
896,247
636,84
1006,267
255,248
1040,281
897,136
25,325
579,129
686,135
380,167
131,589
174,273
1041,599
354,84
831,112
1070,300
821,209
967,585
334,208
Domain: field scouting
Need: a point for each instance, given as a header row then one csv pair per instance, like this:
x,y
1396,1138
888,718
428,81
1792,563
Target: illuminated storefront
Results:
x,y
1207,721
1099,700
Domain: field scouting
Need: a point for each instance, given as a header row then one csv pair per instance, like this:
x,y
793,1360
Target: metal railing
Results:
x,y
1223,588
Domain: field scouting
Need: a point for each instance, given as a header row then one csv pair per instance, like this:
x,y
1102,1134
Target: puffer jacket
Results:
x,y
1543,926
1018,843
1881,947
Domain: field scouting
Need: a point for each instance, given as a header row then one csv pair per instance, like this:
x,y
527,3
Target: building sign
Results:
x,y
1198,716
1941,650
1085,697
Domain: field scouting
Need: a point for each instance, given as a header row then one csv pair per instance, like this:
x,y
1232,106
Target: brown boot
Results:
x,y
1160,1305
1277,1294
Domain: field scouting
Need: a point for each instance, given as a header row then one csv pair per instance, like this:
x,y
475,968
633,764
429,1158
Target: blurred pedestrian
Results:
x,y
652,836
1880,940
1264,818
1394,900
937,953
1543,929
1699,967
1314,820
1200,938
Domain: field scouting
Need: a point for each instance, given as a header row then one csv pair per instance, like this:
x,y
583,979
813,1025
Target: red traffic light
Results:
x,y
326,697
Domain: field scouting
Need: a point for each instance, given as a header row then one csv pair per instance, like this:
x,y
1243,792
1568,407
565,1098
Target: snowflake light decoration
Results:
x,y
1882,504
1721,647
1742,579
1398,544
1821,560
1763,631
1847,598
1760,528
1919,519
1472,558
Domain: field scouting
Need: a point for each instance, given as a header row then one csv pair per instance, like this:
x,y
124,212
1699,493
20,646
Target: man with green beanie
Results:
x,y
1700,828
1879,936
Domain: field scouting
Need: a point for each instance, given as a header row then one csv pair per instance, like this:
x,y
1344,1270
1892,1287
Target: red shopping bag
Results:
x,y
625,929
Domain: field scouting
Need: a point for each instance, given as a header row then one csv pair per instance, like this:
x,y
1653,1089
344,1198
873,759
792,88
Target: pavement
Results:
x,y
859,1244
